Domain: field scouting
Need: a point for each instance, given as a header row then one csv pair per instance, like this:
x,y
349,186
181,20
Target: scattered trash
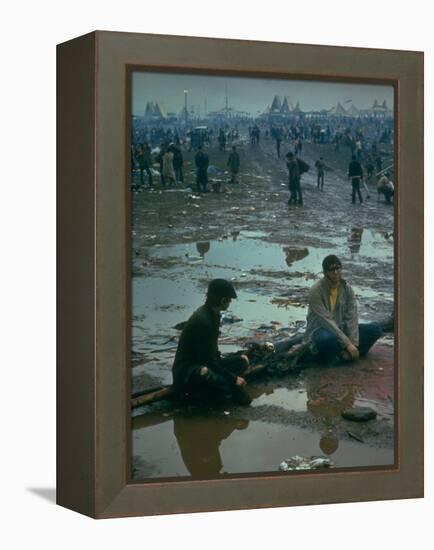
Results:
x,y
305,463
356,437
214,169
227,413
359,414
229,318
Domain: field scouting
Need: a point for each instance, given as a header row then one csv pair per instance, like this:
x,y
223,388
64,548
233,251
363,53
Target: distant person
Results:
x,y
168,170
278,143
178,163
359,150
159,159
199,371
369,164
333,329
298,146
386,187
202,162
222,141
320,166
294,180
234,164
355,175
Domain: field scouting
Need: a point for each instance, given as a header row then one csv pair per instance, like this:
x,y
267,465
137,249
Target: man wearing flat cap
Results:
x,y
199,370
333,329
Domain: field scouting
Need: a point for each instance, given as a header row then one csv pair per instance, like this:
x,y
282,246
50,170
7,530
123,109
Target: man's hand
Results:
x,y
240,381
353,351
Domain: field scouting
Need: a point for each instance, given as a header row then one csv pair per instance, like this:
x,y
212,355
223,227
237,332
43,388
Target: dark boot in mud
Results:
x,y
241,396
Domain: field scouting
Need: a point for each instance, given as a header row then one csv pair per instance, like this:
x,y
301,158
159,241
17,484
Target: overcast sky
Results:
x,y
247,94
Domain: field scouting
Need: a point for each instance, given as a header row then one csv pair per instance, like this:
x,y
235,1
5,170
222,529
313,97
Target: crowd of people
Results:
x,y
333,331
165,148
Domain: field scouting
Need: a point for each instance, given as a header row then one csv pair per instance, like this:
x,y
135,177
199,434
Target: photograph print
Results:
x,y
262,275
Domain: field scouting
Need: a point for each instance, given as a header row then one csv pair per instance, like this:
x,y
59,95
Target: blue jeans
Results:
x,y
328,345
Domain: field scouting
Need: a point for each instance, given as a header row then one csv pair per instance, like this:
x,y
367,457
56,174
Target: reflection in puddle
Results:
x,y
291,400
202,447
203,247
204,442
268,276
355,240
293,254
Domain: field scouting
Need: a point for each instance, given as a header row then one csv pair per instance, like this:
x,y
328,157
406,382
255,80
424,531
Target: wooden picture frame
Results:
x,y
93,273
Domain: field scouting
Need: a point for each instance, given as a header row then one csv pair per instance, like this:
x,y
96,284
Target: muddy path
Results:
x,y
273,254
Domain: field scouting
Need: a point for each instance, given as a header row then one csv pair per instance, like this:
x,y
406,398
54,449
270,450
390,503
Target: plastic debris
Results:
x,y
355,436
229,318
214,169
305,463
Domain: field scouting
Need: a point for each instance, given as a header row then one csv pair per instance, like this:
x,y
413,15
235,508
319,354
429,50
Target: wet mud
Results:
x,y
272,253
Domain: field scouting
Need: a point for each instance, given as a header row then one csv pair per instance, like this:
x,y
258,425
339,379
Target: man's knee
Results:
x,y
375,330
326,342
324,338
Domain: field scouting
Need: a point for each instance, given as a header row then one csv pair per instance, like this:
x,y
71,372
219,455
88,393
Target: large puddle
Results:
x,y
292,415
296,416
272,281
197,446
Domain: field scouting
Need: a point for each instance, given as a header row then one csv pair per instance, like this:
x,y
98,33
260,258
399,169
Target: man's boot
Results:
x,y
241,396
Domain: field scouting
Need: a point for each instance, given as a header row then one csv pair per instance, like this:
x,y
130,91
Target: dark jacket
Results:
x,y
234,161
355,169
178,159
319,164
293,170
198,347
202,162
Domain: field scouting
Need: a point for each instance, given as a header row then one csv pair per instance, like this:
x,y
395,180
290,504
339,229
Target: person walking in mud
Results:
x,y
202,162
144,161
278,142
320,165
386,187
199,371
222,140
333,330
178,163
234,164
159,159
355,175
168,170
294,180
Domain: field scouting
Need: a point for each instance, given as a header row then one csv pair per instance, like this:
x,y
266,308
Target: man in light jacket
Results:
x,y
333,329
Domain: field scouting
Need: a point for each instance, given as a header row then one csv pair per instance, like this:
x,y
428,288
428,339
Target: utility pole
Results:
x,y
226,101
185,106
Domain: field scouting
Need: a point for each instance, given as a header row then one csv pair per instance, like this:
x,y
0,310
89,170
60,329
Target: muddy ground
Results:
x,y
272,252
